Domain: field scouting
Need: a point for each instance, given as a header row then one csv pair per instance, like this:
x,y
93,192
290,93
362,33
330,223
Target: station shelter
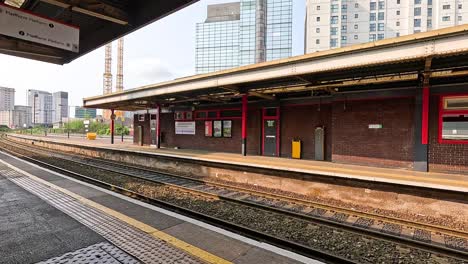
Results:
x,y
398,103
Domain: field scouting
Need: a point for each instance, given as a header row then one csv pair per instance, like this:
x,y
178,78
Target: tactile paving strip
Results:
x,y
135,242
102,253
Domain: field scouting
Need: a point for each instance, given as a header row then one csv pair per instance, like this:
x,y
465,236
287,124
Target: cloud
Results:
x,y
143,71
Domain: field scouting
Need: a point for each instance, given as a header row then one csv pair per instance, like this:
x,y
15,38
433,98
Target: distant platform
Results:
x,y
440,181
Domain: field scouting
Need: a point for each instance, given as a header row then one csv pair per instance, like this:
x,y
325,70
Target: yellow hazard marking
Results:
x,y
190,249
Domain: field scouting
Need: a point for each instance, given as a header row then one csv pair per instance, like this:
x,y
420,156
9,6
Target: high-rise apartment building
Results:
x,y
22,116
19,117
42,107
245,32
339,23
7,98
59,106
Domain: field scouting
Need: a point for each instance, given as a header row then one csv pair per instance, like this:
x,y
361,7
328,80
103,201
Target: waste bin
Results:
x,y
91,136
296,149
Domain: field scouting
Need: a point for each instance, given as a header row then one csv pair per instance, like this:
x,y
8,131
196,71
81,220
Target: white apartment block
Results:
x,y
19,117
42,107
59,106
7,99
333,24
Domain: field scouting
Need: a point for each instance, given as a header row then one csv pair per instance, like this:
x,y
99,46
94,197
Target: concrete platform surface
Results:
x,y
444,181
45,216
32,230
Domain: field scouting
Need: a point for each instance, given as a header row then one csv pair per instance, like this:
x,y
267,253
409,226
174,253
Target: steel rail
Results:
x,y
317,220
257,235
394,220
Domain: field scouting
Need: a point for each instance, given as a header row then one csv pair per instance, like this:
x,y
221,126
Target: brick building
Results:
x,y
398,104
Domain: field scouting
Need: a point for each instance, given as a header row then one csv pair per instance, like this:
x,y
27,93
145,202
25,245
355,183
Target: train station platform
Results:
x,y
47,217
440,181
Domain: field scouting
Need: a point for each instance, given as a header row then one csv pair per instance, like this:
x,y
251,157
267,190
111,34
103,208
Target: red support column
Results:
x,y
112,125
158,127
425,116
244,124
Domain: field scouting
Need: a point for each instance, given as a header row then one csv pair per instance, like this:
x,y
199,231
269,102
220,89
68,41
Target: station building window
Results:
x,y
232,113
453,119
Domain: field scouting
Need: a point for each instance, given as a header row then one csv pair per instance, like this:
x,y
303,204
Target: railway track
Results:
x,y
435,239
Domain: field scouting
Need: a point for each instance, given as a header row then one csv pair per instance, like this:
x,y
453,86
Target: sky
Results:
x,y
159,52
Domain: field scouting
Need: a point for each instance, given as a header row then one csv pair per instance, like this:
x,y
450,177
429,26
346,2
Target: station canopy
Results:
x,y
440,57
59,31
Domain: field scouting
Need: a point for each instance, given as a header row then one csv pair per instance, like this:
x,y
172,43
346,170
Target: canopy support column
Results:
x,y
112,126
158,127
244,124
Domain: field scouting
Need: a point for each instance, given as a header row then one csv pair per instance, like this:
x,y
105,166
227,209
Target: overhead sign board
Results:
x,y
375,126
23,25
185,128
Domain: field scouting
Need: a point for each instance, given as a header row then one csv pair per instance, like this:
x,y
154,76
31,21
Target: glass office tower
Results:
x,y
245,32
217,43
278,29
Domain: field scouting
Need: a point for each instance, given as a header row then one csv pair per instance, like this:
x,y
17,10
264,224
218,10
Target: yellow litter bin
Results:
x,y
296,149
91,136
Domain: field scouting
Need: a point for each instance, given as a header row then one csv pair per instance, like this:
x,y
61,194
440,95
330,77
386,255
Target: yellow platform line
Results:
x,y
190,249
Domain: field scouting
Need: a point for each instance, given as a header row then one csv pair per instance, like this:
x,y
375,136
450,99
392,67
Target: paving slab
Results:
x,y
203,238
32,230
258,255
158,220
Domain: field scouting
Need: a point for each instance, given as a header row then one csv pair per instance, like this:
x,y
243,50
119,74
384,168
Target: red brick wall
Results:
x,y
444,157
391,146
300,122
199,141
254,132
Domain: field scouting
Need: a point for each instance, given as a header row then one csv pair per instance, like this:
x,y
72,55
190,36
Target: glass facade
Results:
x,y
227,44
217,46
247,32
279,29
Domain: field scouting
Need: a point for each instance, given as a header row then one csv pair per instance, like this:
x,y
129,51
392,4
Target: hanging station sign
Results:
x,y
24,25
185,128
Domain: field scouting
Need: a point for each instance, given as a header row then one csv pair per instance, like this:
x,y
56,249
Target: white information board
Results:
x,y
23,25
185,128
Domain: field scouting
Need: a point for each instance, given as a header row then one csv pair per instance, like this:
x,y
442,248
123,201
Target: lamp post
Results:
x,y
34,111
45,119
122,127
68,118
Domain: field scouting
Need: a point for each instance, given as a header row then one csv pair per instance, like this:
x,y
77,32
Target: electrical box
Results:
x,y
320,143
